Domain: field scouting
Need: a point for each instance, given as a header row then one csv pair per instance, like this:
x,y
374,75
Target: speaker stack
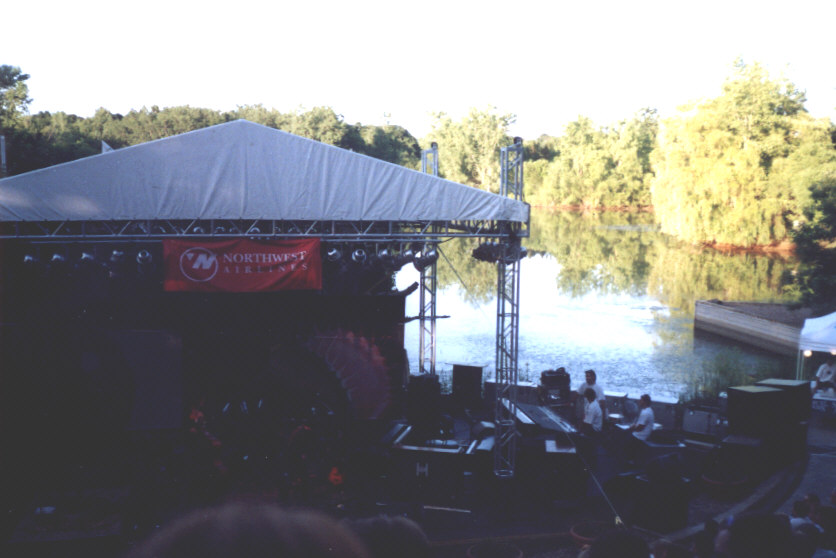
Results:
x,y
765,426
467,386
423,405
791,432
555,387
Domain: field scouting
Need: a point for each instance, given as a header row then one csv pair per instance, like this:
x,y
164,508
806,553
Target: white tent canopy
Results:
x,y
242,170
818,334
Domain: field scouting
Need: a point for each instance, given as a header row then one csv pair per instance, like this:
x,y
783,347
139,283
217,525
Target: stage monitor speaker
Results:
x,y
467,386
756,411
799,397
698,421
423,404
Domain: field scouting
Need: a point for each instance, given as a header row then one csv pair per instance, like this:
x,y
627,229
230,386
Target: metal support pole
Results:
x,y
429,284
427,322
429,160
508,321
2,156
511,169
507,366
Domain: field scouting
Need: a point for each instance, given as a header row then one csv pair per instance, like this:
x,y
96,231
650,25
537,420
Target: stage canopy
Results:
x,y
818,334
242,170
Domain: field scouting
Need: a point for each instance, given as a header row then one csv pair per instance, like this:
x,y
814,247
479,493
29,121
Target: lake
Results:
x,y
604,291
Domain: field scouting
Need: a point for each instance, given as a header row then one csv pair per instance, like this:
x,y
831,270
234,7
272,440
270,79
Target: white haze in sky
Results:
x,y
388,61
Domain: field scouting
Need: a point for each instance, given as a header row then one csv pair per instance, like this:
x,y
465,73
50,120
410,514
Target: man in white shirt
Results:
x,y
643,425
591,382
826,374
593,419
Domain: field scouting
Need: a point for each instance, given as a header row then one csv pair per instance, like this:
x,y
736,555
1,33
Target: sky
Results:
x,y
377,62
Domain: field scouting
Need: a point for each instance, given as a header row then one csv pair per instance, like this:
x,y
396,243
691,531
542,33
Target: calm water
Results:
x,y
606,292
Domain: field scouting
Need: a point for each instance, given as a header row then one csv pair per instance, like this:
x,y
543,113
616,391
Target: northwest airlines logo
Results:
x,y
199,264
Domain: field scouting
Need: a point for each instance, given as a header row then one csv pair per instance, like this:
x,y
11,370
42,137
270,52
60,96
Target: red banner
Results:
x,y
241,265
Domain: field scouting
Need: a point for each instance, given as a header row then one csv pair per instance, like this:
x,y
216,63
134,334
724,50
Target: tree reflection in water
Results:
x,y
604,291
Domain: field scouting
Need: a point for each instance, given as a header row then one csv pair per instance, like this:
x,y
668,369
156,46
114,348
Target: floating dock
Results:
x,y
769,326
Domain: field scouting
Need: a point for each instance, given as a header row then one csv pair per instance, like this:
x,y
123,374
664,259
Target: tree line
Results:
x,y
44,139
749,168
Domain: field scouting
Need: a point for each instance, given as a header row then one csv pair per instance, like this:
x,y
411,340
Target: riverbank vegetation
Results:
x,y
749,169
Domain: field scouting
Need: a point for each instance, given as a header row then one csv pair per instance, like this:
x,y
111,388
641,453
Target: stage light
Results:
x,y
254,230
333,255
514,255
358,256
198,230
808,353
403,258
29,259
219,230
117,256
57,258
87,258
143,257
423,261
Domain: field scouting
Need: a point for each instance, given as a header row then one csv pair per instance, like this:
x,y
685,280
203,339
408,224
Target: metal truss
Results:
x,y
360,231
429,160
507,364
511,168
508,320
427,319
427,307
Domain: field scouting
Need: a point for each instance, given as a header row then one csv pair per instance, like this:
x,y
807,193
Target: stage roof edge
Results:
x,y
250,178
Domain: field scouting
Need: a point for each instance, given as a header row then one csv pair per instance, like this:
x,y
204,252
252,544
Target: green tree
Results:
x,y
814,281
722,167
585,164
14,96
469,149
595,168
543,148
631,146
391,143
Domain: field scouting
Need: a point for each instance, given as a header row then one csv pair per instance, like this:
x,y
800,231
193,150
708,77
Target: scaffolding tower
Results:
x,y
508,318
428,285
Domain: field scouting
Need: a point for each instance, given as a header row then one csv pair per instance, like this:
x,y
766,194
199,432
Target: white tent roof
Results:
x,y
818,334
242,170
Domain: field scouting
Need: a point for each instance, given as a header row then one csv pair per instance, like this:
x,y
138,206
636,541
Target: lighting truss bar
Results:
x,y
259,228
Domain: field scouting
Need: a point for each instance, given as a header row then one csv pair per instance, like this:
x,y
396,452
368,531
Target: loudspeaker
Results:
x,y
698,421
556,385
756,411
423,405
799,397
467,386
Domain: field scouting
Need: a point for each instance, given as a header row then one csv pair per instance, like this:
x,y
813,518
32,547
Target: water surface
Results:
x,y
607,292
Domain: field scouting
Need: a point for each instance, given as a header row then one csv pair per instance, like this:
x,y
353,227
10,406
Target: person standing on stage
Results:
x,y
826,374
593,420
591,383
643,425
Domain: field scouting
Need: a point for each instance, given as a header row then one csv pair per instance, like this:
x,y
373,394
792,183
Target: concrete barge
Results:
x,y
769,326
